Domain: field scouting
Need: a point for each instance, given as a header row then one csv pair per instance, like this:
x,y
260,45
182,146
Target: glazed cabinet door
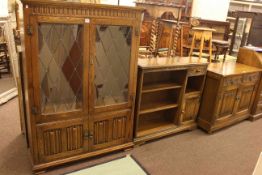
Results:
x,y
113,65
110,129
60,79
226,103
190,108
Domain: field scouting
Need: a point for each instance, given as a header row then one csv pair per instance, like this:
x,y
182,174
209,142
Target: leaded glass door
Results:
x,y
112,65
58,60
60,75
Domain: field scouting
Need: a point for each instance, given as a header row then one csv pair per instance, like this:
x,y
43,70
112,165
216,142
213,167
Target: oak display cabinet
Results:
x,y
80,77
229,94
168,96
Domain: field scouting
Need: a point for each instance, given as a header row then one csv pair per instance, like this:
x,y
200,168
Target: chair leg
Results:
x,y
210,50
192,46
201,47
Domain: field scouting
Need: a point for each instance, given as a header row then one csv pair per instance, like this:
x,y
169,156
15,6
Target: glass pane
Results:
x,y
113,52
60,66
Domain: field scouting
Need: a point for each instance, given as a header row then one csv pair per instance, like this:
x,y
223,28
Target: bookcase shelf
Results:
x,y
154,107
160,87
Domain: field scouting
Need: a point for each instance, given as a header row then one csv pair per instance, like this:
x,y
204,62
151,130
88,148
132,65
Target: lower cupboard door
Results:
x,y
110,129
61,139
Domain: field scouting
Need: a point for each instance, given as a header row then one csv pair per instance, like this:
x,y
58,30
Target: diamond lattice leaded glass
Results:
x,y
61,67
113,53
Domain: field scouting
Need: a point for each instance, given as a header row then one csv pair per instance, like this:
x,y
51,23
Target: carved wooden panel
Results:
x,y
74,137
60,139
227,103
119,128
245,98
111,129
81,10
101,132
191,107
233,81
52,142
250,78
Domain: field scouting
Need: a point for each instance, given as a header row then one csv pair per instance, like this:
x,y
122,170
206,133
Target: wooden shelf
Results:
x,y
153,127
154,107
160,87
192,91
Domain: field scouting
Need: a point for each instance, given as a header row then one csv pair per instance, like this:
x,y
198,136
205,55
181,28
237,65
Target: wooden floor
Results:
x,y
231,151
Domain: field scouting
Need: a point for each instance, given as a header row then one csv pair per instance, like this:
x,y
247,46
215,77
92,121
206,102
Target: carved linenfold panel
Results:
x,y
81,12
119,128
227,103
52,142
101,132
74,137
246,95
191,109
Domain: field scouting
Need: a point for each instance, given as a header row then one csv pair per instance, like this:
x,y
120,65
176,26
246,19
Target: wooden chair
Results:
x,y
155,35
203,35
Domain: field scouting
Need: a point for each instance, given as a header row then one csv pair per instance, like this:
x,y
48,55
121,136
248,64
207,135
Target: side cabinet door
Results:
x,y
245,99
191,107
61,139
110,129
227,103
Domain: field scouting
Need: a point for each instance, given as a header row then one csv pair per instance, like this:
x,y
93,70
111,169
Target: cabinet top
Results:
x,y
162,62
231,68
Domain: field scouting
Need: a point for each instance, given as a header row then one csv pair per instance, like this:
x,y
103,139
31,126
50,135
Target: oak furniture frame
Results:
x,y
64,136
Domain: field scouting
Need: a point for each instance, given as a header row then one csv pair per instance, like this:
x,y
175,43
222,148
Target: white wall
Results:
x,y
3,8
211,9
122,2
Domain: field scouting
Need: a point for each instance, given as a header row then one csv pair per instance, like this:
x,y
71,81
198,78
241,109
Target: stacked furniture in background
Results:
x,y
80,68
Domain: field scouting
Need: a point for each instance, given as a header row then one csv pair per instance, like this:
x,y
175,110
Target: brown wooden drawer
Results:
x,y
232,81
199,70
250,78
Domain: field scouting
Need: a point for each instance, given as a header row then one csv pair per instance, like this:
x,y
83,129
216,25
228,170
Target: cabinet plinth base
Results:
x,y
255,117
40,168
210,128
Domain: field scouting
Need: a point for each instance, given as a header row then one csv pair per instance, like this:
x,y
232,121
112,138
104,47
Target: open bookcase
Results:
x,y
167,99
160,98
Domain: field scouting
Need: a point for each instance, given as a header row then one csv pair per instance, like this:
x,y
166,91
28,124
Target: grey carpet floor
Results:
x,y
231,151
7,82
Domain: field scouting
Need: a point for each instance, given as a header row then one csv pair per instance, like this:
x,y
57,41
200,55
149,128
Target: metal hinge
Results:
x,y
29,30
